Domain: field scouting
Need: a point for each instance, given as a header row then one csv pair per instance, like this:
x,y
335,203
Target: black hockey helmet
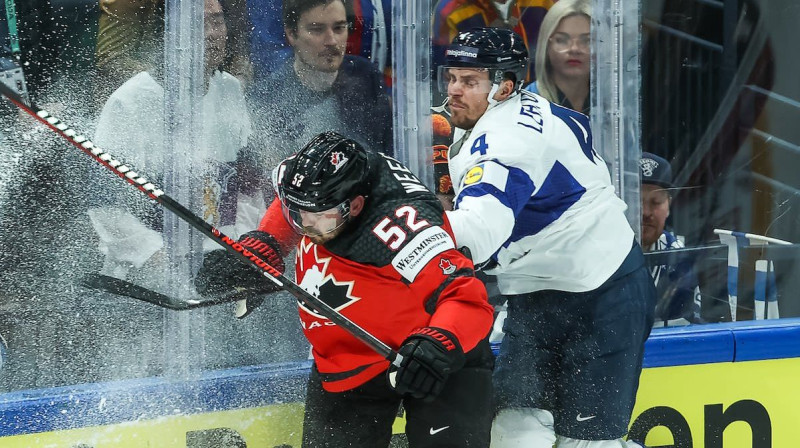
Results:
x,y
329,170
322,179
499,50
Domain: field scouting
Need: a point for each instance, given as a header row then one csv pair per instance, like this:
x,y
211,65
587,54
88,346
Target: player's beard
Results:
x,y
321,238
317,238
461,116
459,119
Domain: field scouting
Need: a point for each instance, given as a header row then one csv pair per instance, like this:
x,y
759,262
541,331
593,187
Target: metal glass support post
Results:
x,y
615,97
411,89
183,86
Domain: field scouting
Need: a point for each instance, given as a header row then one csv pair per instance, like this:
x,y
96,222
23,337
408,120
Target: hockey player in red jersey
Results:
x,y
375,245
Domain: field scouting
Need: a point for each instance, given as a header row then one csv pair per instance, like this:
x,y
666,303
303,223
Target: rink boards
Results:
x,y
728,385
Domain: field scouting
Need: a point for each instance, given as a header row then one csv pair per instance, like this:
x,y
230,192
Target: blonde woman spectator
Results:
x,y
132,125
562,55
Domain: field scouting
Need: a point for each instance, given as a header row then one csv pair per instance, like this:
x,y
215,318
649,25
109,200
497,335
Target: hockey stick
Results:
x,y
127,173
125,288
121,287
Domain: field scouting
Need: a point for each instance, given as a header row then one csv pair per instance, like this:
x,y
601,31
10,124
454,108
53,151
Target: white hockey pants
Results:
x,y
533,428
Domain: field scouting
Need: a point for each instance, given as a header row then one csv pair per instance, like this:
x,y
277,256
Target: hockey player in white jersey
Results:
x,y
535,206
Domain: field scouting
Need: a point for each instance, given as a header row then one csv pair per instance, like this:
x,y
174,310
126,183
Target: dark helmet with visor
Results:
x,y
320,180
498,50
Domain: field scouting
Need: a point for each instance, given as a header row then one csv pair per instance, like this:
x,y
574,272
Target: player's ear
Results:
x,y
505,90
508,86
356,205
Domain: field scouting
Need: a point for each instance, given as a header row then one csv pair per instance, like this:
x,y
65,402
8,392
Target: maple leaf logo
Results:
x,y
338,159
318,282
446,266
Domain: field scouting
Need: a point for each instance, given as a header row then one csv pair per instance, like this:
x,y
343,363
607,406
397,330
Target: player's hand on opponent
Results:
x,y
223,273
430,355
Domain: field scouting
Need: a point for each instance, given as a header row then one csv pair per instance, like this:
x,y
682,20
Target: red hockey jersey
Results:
x,y
395,270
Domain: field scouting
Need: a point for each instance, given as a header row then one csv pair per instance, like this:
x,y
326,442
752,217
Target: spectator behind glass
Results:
x,y
319,89
562,55
130,39
678,292
451,17
370,36
132,126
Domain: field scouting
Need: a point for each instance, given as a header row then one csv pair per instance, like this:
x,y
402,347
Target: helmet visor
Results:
x,y
316,224
466,78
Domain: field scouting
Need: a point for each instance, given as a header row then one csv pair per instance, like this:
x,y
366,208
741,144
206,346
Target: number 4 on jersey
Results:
x,y
479,145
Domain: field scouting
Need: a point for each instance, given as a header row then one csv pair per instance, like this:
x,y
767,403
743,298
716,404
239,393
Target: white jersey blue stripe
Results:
x,y
532,194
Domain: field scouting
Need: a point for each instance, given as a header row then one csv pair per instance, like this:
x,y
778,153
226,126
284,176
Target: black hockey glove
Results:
x,y
223,273
430,355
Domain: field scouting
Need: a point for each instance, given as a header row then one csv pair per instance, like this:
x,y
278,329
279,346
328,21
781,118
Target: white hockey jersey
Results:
x,y
534,196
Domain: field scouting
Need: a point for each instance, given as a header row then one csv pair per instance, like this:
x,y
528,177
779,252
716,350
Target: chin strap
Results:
x,y
493,102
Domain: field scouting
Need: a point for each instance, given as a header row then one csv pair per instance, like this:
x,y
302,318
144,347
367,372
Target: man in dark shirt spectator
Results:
x,y
677,286
319,89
